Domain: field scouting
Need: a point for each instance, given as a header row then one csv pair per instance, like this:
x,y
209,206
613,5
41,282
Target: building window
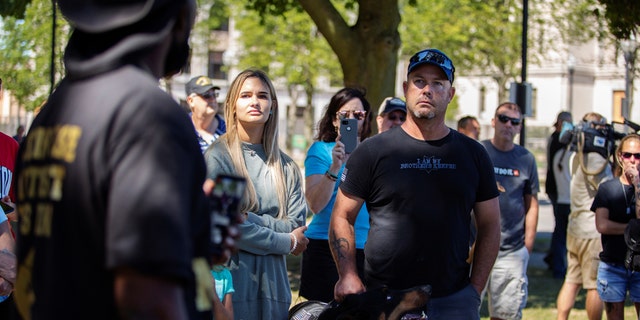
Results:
x,y
216,65
534,102
618,96
224,25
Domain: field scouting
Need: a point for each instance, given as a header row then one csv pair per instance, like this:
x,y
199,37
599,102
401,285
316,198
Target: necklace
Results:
x,y
626,202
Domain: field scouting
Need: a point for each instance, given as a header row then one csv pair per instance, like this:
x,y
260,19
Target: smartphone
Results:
x,y
349,134
6,208
225,202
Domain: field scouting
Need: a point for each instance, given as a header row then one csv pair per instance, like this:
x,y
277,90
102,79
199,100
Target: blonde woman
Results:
x,y
274,207
615,205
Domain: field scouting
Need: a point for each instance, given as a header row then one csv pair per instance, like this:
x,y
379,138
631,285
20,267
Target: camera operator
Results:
x,y
614,206
590,167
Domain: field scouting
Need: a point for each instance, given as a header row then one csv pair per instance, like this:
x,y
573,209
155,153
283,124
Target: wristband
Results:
x,y
295,243
331,176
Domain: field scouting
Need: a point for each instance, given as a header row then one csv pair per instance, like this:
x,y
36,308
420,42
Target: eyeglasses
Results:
x,y
210,94
358,114
505,119
628,155
394,117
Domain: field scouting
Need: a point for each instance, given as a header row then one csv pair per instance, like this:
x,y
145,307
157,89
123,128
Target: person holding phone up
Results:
x,y
324,163
273,207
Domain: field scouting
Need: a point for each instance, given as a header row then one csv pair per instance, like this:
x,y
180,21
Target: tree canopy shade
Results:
x,y
291,50
366,48
482,37
25,53
623,17
13,8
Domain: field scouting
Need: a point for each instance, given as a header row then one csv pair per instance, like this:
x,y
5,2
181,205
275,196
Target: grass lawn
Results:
x,y
543,289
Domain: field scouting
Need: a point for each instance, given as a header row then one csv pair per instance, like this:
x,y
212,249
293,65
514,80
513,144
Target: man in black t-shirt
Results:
x,y
420,182
113,221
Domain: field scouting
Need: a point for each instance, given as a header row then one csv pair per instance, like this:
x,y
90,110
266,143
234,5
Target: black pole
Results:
x,y
52,68
523,73
571,73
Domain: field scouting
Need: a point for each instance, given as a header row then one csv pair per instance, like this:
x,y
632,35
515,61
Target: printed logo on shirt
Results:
x,y
343,176
509,172
5,181
428,164
46,151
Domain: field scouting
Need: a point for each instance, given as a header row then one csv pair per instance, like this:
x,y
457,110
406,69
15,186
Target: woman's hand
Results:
x,y
631,173
338,154
299,241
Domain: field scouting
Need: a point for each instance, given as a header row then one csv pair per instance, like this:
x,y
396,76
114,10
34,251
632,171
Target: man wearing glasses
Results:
x,y
420,183
517,174
202,100
392,113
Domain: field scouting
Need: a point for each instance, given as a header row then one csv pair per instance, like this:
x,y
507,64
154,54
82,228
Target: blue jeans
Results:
x,y
614,281
559,240
461,305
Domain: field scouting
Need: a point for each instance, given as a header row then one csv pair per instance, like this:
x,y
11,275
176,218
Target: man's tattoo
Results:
x,y
340,246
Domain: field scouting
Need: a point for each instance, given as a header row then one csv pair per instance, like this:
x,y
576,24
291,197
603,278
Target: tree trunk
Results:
x,y
368,50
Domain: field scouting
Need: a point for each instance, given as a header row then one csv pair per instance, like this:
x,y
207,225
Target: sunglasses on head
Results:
x,y
504,119
628,155
435,58
358,114
210,94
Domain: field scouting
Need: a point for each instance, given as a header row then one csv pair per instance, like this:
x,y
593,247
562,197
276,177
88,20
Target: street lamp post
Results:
x,y
571,65
628,47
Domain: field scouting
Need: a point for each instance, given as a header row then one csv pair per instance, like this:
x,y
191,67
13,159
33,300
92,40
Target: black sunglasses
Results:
x,y
358,114
209,94
628,155
505,119
394,117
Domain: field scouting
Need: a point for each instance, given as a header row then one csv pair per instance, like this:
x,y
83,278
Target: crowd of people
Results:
x,y
116,217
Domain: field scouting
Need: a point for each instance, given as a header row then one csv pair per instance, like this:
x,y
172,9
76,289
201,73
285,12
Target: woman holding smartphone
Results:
x,y
274,208
323,167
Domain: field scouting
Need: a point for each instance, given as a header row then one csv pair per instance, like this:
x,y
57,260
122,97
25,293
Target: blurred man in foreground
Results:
x,y
113,218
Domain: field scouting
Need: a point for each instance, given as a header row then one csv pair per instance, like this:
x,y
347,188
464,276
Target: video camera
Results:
x,y
592,136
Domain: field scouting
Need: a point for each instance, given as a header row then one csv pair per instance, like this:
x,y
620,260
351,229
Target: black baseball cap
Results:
x,y
200,85
434,57
391,104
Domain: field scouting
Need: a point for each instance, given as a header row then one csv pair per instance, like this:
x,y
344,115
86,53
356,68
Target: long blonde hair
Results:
x,y
619,167
276,159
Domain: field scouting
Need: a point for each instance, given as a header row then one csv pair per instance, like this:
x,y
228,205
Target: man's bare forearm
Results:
x,y
343,251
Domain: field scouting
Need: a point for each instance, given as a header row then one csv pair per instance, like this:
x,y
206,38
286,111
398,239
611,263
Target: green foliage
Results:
x,y
25,53
623,17
13,8
218,13
288,46
292,51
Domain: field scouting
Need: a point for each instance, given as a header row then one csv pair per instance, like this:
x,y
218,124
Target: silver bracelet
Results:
x,y
295,243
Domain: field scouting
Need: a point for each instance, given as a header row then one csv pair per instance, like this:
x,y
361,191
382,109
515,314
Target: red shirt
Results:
x,y
8,152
